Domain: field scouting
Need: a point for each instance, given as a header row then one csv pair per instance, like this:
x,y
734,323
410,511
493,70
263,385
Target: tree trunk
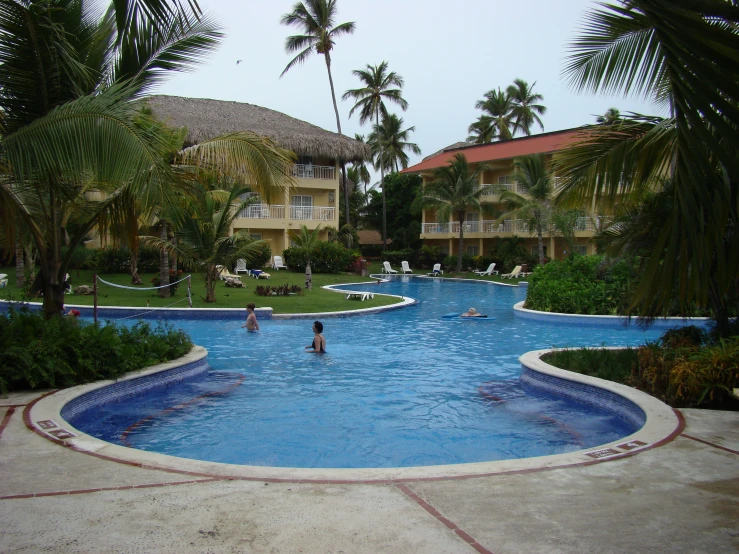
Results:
x,y
53,300
164,264
20,269
382,183
133,265
210,287
461,246
541,244
173,259
338,126
308,277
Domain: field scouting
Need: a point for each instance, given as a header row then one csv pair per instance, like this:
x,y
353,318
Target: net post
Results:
x,y
189,294
95,297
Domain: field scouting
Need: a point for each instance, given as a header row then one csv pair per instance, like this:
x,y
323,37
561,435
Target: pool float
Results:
x,y
459,316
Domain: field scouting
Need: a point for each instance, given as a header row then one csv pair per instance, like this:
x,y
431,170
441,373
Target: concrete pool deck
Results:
x,y
680,497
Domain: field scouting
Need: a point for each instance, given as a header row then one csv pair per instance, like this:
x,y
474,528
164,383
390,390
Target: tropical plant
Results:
x,y
535,205
453,192
497,120
315,18
357,200
205,242
307,240
389,143
370,101
526,108
684,55
361,172
611,116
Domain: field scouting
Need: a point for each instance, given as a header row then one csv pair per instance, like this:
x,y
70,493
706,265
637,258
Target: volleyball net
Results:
x,y
97,279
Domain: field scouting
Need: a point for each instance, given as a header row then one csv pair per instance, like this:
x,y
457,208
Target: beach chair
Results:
x,y
3,280
515,273
489,271
405,268
241,267
387,269
224,273
277,263
436,271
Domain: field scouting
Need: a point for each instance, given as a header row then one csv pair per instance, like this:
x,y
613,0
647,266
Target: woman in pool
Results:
x,y
472,312
319,341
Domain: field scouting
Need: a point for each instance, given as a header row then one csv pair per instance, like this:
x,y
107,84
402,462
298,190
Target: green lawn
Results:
x,y
316,300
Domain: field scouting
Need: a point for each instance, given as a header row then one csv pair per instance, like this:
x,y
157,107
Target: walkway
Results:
x,y
680,497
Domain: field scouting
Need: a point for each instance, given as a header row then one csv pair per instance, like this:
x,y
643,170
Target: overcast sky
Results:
x,y
449,54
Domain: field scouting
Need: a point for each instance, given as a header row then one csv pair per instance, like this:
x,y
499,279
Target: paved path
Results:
x,y
680,497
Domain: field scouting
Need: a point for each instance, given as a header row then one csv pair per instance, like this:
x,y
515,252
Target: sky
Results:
x,y
448,53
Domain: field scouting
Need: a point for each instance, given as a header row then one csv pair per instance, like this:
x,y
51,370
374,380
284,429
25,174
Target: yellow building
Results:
x,y
482,229
313,201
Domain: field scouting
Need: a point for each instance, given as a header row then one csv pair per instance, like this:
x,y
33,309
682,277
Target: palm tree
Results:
x,y
682,55
611,116
535,205
389,143
315,18
307,240
453,192
204,238
498,106
362,173
370,100
482,131
526,108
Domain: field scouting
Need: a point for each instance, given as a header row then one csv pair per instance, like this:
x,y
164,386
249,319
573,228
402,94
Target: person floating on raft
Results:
x,y
472,312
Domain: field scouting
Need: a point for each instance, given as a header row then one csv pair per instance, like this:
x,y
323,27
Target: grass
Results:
x,y
316,300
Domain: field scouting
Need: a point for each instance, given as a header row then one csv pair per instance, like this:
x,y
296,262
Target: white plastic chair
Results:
x,y
241,267
3,280
515,273
387,267
405,268
277,263
489,271
436,271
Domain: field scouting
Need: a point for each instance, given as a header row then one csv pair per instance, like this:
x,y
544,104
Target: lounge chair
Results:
x,y
224,273
515,273
3,280
436,271
241,267
489,271
387,269
405,268
277,263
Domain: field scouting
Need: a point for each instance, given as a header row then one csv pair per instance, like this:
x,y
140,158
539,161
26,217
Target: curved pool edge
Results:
x,y
587,319
662,425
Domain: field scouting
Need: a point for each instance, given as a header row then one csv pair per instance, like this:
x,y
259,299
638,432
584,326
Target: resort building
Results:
x,y
482,230
314,199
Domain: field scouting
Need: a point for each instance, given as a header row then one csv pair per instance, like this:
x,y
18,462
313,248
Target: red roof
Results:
x,y
524,146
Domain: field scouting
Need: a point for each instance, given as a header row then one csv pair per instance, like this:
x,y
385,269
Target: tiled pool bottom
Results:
x,y
396,390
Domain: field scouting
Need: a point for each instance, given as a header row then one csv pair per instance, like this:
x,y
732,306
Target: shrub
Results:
x,y
277,290
428,256
326,257
397,256
82,258
614,365
371,250
581,285
117,260
63,351
262,257
173,276
450,262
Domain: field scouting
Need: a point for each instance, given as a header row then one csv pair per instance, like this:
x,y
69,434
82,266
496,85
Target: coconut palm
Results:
x,y
361,173
453,192
498,106
307,240
482,131
683,55
370,101
315,18
609,118
526,108
535,205
389,144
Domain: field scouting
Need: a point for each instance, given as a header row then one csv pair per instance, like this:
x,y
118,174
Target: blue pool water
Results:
x,y
402,388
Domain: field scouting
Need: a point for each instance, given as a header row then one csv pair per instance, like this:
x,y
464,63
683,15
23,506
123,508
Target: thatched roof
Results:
x,y
206,119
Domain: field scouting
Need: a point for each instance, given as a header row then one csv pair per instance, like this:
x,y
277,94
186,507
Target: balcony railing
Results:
x,y
507,226
314,171
312,213
263,211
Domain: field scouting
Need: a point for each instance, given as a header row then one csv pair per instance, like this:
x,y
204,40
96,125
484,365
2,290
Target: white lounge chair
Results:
x,y
515,273
489,271
436,271
405,267
3,280
387,269
241,267
277,263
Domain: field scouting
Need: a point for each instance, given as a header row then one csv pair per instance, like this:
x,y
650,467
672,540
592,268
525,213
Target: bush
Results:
x,y
173,276
450,262
581,285
428,256
117,260
63,351
326,257
82,258
371,250
262,257
397,256
277,290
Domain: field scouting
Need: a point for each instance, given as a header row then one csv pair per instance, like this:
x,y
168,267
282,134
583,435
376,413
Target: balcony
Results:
x,y
304,171
302,213
312,213
485,227
263,211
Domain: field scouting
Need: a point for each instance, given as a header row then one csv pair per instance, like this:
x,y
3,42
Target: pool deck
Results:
x,y
680,497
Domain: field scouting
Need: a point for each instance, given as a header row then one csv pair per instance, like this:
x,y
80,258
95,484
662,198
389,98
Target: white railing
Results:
x,y
312,213
314,171
507,226
488,190
585,224
435,228
263,211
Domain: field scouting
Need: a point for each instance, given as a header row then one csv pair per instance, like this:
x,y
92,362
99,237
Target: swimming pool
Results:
x,y
396,389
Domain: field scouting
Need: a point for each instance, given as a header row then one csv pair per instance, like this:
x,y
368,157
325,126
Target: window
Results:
x,y
305,160
505,180
472,249
581,249
301,207
255,236
331,196
535,250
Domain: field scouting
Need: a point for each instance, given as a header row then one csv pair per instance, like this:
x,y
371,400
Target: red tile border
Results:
x,y
710,444
466,537
675,433
6,419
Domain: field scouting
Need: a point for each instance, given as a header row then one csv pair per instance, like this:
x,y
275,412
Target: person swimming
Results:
x,y
472,312
319,341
